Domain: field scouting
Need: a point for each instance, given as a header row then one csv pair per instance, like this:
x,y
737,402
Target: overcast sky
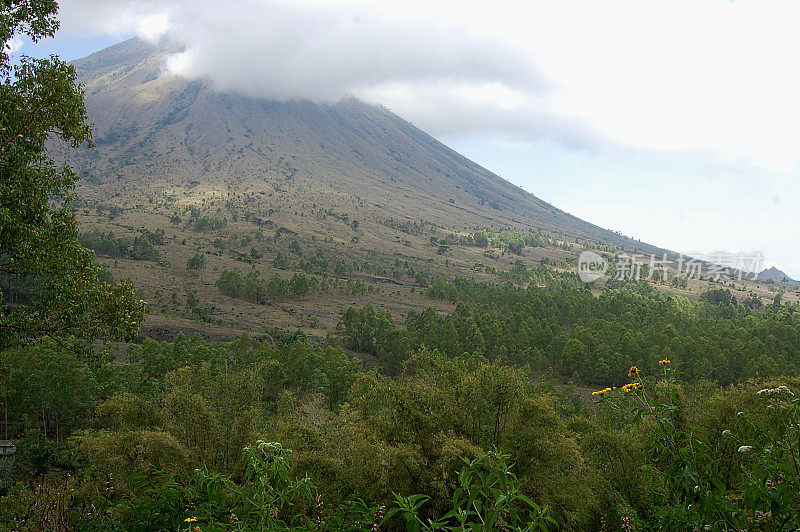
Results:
x,y
676,122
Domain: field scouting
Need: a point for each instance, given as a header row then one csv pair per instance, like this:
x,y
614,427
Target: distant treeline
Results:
x,y
587,338
512,240
141,248
203,223
252,287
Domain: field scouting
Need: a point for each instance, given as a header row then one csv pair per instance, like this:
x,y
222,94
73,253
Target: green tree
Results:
x,y
196,263
49,387
231,282
481,239
276,287
39,101
254,287
300,284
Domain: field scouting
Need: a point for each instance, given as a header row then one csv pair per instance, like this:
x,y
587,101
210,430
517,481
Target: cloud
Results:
x,y
440,71
491,110
708,76
290,50
12,46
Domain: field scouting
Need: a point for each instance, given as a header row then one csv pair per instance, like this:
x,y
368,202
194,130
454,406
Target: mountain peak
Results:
x,y
776,275
154,129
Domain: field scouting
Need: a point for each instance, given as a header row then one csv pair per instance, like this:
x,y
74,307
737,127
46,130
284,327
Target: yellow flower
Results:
x,y
632,386
198,529
601,392
633,372
665,362
190,520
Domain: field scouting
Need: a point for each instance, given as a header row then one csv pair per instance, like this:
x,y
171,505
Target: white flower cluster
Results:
x,y
776,391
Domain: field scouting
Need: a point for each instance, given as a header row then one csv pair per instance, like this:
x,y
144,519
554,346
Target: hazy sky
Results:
x,y
676,122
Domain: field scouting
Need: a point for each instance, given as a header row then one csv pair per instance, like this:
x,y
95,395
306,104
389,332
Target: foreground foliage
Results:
x,y
49,283
179,432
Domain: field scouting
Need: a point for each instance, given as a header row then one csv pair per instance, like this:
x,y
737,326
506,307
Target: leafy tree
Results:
x,y
50,387
196,263
192,300
157,237
39,100
231,282
254,287
276,287
373,332
300,284
143,249
481,239
514,241
281,262
718,296
255,254
203,224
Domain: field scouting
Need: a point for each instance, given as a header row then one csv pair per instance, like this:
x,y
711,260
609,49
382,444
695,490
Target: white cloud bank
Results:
x,y
710,76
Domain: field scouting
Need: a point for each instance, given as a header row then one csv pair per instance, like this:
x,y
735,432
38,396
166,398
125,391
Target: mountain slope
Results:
x,y
369,206
153,129
776,275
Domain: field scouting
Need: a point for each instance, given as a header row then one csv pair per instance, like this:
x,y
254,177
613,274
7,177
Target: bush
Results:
x,y
197,262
